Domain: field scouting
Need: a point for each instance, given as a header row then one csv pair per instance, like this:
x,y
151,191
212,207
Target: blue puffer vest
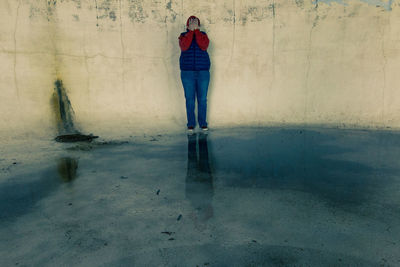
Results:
x,y
194,58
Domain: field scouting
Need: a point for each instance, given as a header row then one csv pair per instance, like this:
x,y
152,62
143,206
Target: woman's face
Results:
x,y
195,22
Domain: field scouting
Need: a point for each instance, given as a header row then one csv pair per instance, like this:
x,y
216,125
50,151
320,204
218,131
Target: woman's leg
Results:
x,y
203,80
189,86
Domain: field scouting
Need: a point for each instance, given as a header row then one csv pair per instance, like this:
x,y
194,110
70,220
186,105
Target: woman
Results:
x,y
195,65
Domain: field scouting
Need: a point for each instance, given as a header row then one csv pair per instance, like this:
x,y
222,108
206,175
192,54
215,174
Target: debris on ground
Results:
x,y
168,233
70,138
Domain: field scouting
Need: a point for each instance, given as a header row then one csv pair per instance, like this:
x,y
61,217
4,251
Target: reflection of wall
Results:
x,y
272,61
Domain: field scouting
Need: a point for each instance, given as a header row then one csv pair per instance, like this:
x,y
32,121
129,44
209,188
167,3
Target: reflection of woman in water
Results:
x,y
199,181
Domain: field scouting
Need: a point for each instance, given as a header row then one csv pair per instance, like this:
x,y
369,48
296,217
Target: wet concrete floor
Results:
x,y
233,197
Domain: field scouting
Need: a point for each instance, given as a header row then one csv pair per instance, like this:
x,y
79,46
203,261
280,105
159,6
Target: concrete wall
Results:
x,y
290,61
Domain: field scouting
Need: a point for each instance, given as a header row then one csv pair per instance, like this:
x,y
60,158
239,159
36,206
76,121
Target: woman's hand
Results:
x,y
193,24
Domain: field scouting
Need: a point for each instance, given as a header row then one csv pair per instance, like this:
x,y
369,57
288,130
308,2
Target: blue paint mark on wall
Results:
x,y
330,1
386,4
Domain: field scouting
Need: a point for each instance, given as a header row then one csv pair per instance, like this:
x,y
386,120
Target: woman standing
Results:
x,y
195,72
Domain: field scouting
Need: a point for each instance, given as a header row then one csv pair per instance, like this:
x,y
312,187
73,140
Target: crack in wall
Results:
x,y
87,70
273,44
52,24
123,53
384,75
233,32
86,56
181,12
273,9
15,50
66,54
97,14
165,22
314,24
121,33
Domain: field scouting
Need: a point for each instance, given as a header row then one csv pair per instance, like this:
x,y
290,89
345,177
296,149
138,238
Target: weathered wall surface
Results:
x,y
290,61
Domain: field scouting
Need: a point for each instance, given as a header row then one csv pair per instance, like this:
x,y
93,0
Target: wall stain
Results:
x,y
355,11
106,10
315,22
169,4
136,12
140,11
272,7
51,6
386,4
171,14
35,11
230,17
256,13
64,116
47,8
78,3
112,15
156,16
154,11
97,14
300,3
62,109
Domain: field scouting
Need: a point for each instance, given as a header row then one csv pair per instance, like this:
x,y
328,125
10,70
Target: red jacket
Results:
x,y
194,56
201,40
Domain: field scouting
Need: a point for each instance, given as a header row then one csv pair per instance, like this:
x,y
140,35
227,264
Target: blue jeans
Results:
x,y
195,83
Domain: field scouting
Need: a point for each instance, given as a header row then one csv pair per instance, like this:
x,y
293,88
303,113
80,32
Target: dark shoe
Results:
x,y
204,128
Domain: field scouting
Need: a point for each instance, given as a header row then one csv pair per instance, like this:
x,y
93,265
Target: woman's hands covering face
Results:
x,y
193,24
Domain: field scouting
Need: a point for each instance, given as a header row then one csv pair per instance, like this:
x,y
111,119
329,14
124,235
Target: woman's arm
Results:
x,y
201,39
185,40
